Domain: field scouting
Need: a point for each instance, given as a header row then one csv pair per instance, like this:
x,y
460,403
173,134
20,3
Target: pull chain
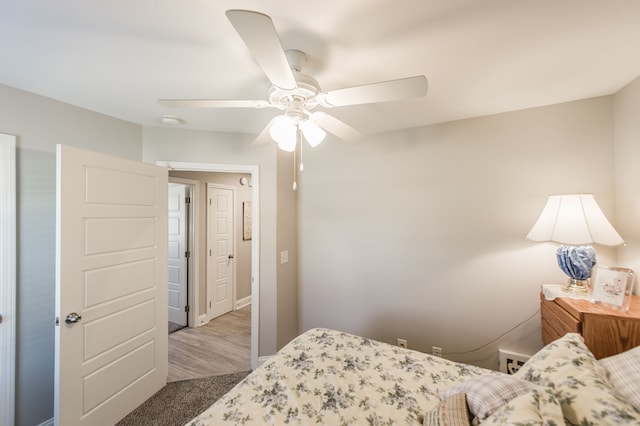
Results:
x,y
301,164
295,184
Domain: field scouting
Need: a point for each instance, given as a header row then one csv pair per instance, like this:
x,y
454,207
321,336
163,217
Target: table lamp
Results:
x,y
575,221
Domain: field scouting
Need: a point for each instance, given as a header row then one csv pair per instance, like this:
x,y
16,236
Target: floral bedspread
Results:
x,y
330,377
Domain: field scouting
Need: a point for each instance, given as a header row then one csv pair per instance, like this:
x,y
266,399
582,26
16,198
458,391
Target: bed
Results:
x,y
333,378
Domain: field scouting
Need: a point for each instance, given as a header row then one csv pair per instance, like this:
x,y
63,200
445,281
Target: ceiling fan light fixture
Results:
x,y
283,132
313,133
287,145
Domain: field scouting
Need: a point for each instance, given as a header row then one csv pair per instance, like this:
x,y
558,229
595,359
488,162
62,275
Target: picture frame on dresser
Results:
x,y
613,287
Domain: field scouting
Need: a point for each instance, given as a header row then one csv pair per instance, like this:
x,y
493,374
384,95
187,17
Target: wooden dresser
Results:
x,y
605,331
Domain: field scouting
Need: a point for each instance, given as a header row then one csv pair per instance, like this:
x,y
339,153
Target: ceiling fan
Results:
x,y
296,93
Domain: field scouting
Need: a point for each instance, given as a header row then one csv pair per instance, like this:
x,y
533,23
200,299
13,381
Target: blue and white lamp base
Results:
x,y
577,262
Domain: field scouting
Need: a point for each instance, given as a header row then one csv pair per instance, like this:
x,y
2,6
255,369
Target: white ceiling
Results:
x,y
481,57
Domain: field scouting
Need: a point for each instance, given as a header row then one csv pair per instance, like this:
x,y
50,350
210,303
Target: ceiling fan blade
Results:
x,y
384,91
213,103
337,127
264,138
259,34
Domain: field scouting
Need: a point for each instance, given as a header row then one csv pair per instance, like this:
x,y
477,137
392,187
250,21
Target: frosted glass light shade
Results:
x,y
283,132
312,132
574,219
287,145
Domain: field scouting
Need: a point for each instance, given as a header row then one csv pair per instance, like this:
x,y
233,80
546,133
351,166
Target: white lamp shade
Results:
x,y
312,132
284,133
574,219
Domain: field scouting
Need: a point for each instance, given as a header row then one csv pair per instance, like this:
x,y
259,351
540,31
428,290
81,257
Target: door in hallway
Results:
x,y
220,250
178,253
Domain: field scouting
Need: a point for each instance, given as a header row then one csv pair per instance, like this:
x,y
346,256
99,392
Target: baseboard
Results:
x,y
47,423
202,320
241,303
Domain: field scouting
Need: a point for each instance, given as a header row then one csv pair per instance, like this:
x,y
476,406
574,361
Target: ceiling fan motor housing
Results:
x,y
299,100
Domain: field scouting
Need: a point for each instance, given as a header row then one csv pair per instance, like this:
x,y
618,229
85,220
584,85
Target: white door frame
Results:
x,y
7,277
254,170
193,264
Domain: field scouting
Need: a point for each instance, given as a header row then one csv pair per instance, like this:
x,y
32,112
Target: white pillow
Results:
x,y
624,373
586,395
537,407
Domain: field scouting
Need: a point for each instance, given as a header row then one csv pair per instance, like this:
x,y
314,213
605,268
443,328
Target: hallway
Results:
x,y
221,346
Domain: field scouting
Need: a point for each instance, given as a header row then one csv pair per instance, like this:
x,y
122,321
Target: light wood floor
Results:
x,y
220,347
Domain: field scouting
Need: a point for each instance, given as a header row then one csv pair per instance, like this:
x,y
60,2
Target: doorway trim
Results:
x,y
254,170
7,277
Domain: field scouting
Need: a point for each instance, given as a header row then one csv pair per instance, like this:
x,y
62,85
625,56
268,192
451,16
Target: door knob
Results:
x,y
231,256
72,318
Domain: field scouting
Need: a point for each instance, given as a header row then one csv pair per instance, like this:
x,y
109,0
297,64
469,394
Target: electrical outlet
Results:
x,y
510,362
435,350
402,343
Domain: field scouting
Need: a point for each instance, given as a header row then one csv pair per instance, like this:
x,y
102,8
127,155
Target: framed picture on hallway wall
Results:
x,y
246,220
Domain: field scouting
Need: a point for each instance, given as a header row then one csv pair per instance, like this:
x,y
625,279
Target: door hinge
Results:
x,y
187,200
187,254
187,309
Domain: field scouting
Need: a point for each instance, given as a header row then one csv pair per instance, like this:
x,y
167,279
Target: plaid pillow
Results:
x,y
624,373
486,394
452,411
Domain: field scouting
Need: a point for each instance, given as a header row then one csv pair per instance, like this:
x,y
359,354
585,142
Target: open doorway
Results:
x,y
246,178
179,252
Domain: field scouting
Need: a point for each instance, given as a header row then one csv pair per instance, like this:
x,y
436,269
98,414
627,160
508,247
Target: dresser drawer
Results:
x,y
556,322
607,336
605,331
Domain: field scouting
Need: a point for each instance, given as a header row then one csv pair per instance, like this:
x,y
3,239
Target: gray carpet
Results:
x,y
179,402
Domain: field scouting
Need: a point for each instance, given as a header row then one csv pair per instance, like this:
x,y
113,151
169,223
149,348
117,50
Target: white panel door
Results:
x,y
220,242
111,286
177,272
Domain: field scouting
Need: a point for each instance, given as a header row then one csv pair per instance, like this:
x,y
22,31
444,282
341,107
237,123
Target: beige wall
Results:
x,y
420,234
627,174
287,224
242,248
